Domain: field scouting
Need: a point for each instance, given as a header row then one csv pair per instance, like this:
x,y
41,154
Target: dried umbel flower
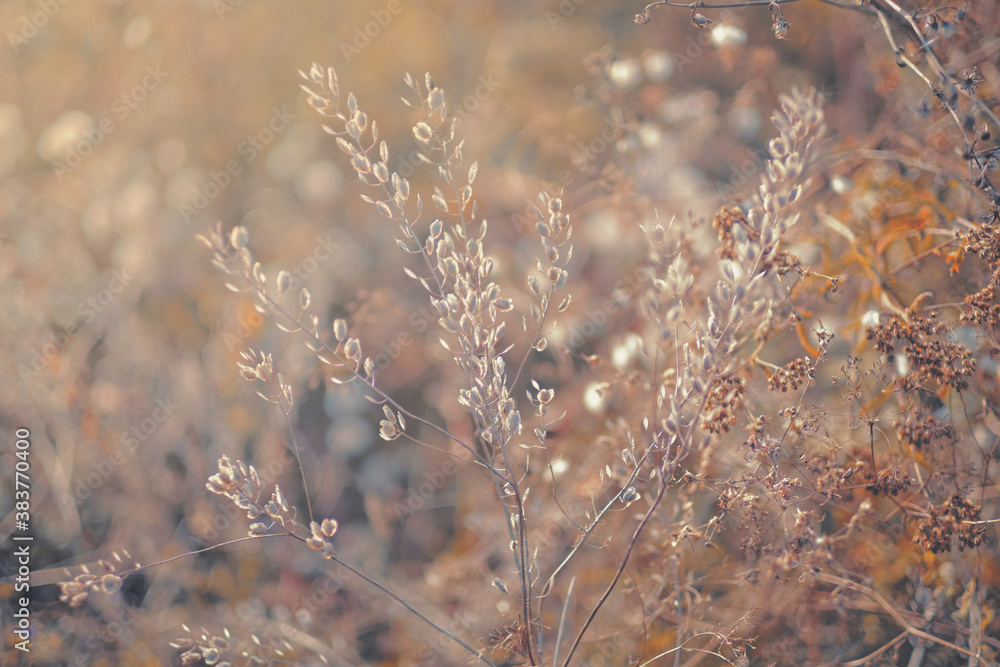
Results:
x,y
722,403
889,482
791,376
929,358
956,519
921,429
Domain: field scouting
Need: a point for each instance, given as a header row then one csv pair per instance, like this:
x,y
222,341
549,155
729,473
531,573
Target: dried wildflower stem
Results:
x,y
799,124
241,484
621,567
373,582
665,474
682,647
562,620
457,269
644,16
383,396
76,591
231,260
892,611
950,86
285,407
889,156
585,532
935,64
871,656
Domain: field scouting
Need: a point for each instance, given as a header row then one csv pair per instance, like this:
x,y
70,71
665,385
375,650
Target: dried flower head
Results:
x,y
956,520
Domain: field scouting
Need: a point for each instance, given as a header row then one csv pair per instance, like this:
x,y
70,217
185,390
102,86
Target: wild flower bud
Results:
x,y
329,527
284,281
339,330
422,131
239,238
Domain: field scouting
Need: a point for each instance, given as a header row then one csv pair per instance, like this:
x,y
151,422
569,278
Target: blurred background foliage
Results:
x,y
121,340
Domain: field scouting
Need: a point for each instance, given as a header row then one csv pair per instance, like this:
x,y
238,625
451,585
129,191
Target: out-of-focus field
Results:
x,y
128,127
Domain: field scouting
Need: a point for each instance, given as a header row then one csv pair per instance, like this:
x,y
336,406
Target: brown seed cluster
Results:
x,y
791,376
929,357
920,429
985,242
983,308
890,482
756,430
723,401
833,481
957,518
726,218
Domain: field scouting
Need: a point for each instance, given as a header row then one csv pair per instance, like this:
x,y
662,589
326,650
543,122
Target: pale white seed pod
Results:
x,y
422,131
329,527
340,330
388,430
238,237
284,281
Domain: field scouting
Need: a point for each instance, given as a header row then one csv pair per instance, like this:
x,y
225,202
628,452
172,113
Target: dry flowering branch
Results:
x,y
456,274
240,483
701,391
108,579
